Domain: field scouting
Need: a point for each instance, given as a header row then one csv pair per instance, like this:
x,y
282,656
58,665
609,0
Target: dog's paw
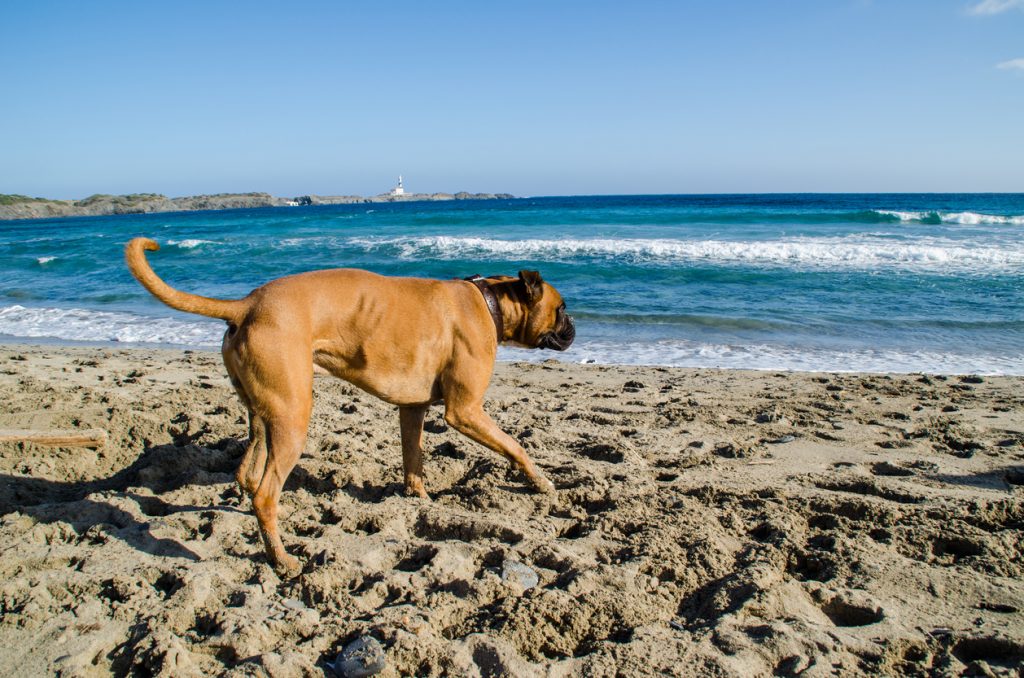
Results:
x,y
418,492
544,486
287,567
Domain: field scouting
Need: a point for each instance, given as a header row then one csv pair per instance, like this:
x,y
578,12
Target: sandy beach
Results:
x,y
706,523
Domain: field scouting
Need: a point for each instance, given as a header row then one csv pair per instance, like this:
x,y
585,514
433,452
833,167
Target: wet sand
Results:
x,y
706,522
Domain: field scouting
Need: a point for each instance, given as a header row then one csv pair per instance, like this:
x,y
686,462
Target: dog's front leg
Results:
x,y
474,423
411,420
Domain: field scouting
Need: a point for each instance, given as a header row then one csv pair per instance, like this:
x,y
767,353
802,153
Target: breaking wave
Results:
x,y
190,243
965,218
858,252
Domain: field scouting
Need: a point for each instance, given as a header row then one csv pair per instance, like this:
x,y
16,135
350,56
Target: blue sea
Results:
x,y
872,282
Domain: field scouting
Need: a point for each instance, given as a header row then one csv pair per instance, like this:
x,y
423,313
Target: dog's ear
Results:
x,y
533,283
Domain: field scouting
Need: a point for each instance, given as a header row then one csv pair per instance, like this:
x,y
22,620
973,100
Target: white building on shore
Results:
x,y
399,189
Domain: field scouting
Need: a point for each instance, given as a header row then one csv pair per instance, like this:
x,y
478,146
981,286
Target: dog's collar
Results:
x,y
492,304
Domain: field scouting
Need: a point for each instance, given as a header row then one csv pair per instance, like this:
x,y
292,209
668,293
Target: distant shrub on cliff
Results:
x,y
122,200
14,199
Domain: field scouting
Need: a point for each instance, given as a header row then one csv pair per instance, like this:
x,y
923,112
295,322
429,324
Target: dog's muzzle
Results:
x,y
562,337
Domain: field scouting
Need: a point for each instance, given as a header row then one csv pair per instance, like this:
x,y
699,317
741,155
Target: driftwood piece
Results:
x,y
74,438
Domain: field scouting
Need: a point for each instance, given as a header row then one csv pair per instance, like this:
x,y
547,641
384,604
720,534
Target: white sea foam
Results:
x,y
965,218
854,252
190,243
972,218
44,260
904,216
681,353
77,324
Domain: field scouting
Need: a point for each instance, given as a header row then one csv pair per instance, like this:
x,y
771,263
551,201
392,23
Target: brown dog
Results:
x,y
410,342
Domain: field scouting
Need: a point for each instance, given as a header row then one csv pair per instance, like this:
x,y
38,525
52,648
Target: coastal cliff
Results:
x,y
25,207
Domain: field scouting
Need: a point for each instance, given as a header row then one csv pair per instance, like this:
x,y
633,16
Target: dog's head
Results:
x,y
544,322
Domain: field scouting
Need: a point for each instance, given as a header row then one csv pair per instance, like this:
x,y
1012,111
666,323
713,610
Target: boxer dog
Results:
x,y
409,341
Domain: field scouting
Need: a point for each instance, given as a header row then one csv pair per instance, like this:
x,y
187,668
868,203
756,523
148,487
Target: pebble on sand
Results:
x,y
514,572
360,658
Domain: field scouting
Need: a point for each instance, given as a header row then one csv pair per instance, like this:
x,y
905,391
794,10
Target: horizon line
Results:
x,y
521,197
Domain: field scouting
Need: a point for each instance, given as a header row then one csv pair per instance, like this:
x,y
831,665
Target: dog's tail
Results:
x,y
134,253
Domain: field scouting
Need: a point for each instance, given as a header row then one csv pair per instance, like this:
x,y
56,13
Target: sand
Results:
x,y
706,523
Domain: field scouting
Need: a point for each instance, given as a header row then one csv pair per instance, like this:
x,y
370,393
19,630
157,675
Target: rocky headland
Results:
x,y
26,207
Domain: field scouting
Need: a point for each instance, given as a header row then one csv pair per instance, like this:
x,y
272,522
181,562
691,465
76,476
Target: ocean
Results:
x,y
868,282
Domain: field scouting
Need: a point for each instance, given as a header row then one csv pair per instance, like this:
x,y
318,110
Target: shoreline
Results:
x,y
732,521
523,356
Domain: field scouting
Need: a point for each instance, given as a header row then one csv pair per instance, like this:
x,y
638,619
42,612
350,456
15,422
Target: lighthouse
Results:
x,y
399,189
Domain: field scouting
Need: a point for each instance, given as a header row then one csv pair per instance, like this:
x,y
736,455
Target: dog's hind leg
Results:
x,y
250,470
411,419
286,438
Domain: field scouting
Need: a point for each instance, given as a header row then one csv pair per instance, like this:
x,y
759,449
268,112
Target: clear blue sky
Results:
x,y
533,98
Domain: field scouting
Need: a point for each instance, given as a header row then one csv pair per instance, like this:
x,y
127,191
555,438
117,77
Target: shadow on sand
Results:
x,y
1005,478
91,506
